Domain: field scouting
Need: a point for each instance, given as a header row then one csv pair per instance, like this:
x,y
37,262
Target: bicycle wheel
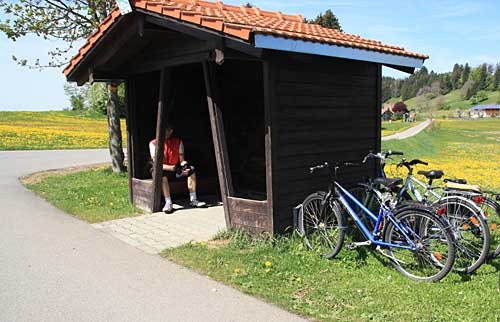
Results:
x,y
491,210
322,225
471,233
435,254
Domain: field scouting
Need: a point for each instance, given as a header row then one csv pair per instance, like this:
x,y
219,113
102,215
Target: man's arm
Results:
x,y
181,154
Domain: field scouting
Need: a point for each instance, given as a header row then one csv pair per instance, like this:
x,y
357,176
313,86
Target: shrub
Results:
x,y
481,96
397,116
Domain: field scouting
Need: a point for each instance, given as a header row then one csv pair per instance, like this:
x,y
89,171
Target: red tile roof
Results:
x,y
241,22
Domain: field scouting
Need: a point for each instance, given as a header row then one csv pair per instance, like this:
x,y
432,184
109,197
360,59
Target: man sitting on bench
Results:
x,y
175,167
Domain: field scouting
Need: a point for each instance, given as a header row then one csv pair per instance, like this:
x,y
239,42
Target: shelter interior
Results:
x,y
243,119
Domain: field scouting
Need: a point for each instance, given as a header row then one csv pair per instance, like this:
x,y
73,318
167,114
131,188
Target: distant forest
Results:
x,y
471,81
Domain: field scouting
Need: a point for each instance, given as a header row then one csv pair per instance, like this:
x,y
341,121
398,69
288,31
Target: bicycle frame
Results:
x,y
343,195
408,185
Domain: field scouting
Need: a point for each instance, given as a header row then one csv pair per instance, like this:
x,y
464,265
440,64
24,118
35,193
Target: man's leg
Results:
x,y
166,193
193,199
191,182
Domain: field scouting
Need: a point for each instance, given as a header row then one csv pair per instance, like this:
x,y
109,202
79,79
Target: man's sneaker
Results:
x,y
168,209
197,204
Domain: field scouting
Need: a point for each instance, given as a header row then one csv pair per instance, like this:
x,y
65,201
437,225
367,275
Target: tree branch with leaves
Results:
x,y
68,21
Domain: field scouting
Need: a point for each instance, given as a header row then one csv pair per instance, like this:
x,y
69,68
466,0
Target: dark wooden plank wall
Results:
x,y
143,193
325,110
250,215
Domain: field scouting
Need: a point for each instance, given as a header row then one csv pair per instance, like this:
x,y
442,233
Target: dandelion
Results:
x,y
267,270
268,264
237,270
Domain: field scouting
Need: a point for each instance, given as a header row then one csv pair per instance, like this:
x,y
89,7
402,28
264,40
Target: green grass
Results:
x,y
395,127
356,286
94,195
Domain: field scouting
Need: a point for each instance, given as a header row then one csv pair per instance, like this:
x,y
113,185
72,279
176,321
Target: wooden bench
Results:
x,y
143,190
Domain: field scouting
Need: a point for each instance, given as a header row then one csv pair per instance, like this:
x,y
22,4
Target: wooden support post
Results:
x,y
219,139
161,122
130,123
271,125
378,109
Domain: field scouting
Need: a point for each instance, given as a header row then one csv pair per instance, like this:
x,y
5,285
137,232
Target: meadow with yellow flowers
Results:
x,y
53,130
467,149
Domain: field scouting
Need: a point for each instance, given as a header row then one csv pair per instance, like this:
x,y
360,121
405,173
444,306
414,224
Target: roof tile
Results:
x,y
241,22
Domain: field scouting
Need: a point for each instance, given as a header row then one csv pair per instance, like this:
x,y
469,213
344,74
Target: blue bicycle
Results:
x,y
418,243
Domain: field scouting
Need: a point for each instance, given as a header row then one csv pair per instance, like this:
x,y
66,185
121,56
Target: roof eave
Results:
x,y
331,50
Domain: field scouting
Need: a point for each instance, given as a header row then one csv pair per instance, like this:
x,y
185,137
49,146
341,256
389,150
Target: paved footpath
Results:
x,y
153,233
409,132
54,267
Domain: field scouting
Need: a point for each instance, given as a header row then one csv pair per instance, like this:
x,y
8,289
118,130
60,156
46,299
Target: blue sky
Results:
x,y
448,31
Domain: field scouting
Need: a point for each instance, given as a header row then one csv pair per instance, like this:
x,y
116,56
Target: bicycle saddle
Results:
x,y
388,182
433,174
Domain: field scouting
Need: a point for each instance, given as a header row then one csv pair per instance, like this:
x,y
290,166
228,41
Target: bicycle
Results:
x,y
471,232
418,243
488,201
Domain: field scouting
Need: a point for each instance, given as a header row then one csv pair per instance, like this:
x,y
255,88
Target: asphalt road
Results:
x,y
412,131
56,268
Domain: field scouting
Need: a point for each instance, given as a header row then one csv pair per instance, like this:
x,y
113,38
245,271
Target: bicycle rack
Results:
x,y
295,213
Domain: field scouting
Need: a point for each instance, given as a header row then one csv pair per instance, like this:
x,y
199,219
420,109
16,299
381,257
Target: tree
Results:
x,y
465,74
77,96
445,84
456,74
327,20
69,21
496,78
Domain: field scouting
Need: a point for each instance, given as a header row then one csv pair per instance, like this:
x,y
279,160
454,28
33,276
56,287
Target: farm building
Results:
x,y
479,111
389,109
256,96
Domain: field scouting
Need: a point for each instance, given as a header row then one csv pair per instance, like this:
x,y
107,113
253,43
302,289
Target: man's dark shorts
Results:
x,y
169,174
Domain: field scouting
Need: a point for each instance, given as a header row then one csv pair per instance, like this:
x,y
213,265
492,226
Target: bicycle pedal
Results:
x,y
352,246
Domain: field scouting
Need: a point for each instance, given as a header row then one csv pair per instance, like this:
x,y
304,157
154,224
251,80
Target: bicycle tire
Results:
x,y
470,230
491,209
322,225
423,227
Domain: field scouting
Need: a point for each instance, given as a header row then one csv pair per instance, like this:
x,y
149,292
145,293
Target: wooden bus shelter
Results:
x,y
256,96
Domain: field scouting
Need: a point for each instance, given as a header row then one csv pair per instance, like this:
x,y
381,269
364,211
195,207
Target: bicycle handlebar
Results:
x,y
336,165
417,161
381,155
409,165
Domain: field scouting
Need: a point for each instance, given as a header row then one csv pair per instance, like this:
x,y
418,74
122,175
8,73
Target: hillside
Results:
x,y
447,105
